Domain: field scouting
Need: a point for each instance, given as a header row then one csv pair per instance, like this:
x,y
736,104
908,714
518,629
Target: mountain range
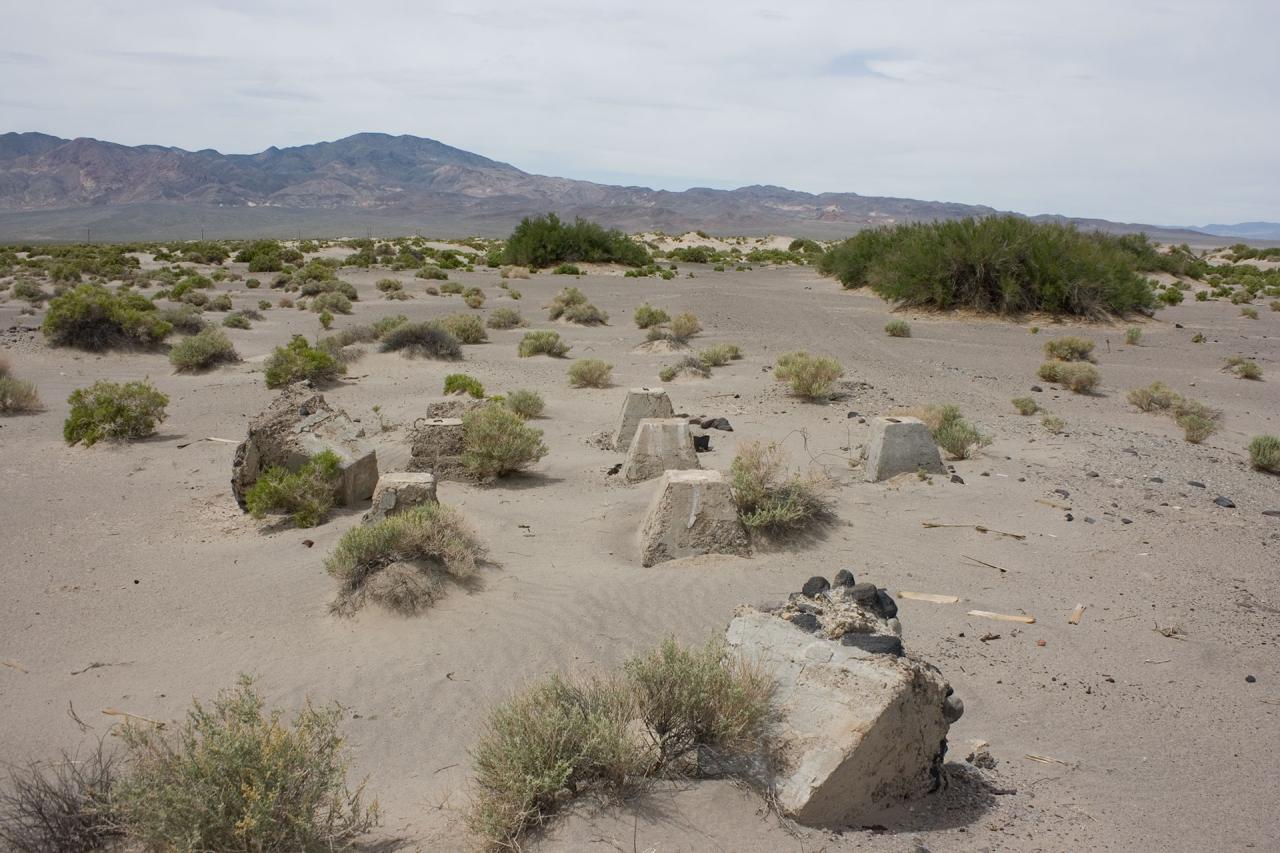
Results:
x,y
69,189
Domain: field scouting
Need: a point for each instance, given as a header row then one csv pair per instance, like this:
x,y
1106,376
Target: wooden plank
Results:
x,y
931,597
1004,617
1076,614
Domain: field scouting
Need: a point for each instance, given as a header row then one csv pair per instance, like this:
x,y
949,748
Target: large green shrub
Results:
x,y
810,377
109,410
1264,453
496,441
429,340
298,360
542,342
306,494
208,348
544,241
91,317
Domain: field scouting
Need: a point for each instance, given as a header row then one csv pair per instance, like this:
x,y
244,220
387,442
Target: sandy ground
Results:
x,y
135,561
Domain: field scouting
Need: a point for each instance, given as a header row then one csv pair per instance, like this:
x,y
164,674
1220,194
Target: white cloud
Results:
x,y
1143,111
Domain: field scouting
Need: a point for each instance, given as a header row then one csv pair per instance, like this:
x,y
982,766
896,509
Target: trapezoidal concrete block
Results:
x,y
693,513
857,731
435,446
640,403
400,491
660,444
901,445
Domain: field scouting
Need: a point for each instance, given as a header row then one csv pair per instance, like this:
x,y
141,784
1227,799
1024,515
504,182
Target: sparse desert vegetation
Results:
x,y
299,361
590,373
496,442
953,432
770,497
1264,453
810,377
543,342
897,329
305,495
203,350
504,318
114,411
1081,377
461,383
572,306
424,340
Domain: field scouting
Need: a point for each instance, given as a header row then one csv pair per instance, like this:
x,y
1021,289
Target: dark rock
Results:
x,y
1155,479
1195,484
1126,521
1272,513
1091,474
878,644
815,585
885,604
701,443
1065,494
953,708
985,474
1070,517
615,469
1177,325
1224,502
956,478
863,591
1251,679
1089,520
722,424
852,415
1036,388
844,577
805,622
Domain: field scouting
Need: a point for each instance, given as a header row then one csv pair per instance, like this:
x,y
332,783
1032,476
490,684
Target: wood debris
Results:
x,y
1076,615
978,527
1004,617
13,664
932,597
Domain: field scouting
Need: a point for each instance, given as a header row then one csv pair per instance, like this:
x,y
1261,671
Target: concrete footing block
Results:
x,y
901,445
692,514
660,444
640,403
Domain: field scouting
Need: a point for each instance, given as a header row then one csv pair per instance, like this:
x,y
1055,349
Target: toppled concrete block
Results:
x,y
401,491
296,427
435,446
660,444
860,725
901,445
640,403
693,513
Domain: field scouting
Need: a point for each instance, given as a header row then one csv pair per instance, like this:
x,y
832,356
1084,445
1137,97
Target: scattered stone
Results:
x,y
1070,517
805,622
899,446
1250,679
953,708
1063,492
876,644
614,469
1088,519
722,424
400,491
701,444
640,403
1155,479
852,415
1036,388
1195,484
863,592
981,758
693,513
1092,474
659,444
1272,513
1224,502
814,586
885,604
308,543
844,577
435,446
956,478
1126,520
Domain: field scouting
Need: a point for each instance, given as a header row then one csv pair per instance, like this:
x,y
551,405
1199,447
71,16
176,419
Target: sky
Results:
x,y
1129,110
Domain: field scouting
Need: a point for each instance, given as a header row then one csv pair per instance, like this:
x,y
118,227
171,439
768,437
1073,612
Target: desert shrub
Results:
x,y
206,349
646,316
332,302
297,361
690,365
65,806
1249,311
326,320
1197,338
451,288
897,329
383,325
952,432
1264,453
429,340
566,269
1053,424
496,441
1156,397
185,319
542,342
236,320
432,273
285,302
319,287
1025,405
389,285
474,300
1274,304
526,404
461,383
571,299
467,328
17,396
28,291
1171,296
1197,420
718,355
504,318
1069,349
91,317
811,377
109,410
684,326
431,538
1080,377
1245,368
221,302
768,497
1002,264
544,241
1133,336
232,777
586,314
306,495
590,373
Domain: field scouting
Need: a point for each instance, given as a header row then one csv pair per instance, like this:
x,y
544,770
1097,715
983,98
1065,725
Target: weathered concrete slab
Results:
x,y
400,491
435,446
692,514
660,444
639,404
901,445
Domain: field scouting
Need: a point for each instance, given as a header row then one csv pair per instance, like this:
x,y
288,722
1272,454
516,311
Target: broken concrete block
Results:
x,y
435,445
296,427
901,445
640,403
660,444
693,513
401,491
860,727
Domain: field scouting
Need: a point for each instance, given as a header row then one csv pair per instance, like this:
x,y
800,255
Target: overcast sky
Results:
x,y
1135,110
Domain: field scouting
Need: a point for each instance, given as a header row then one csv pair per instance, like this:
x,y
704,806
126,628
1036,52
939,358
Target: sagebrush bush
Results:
x,y
1069,349
383,325
221,302
690,365
952,432
769,497
474,300
109,410
332,302
202,351
496,441
504,318
571,305
898,329
590,373
236,777
17,396
646,316
237,320
526,404
91,317
684,326
64,806
1245,368
1249,311
1053,423
185,319
461,383
542,342
431,538
1264,453
1080,377
429,340
1025,405
1156,397
1133,336
467,328
566,269
298,361
1197,420
306,495
718,355
810,377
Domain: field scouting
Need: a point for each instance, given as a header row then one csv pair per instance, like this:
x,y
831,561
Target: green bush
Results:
x,y
208,348
429,340
770,499
432,273
1025,405
590,373
952,432
566,269
504,318
571,304
389,285
1069,349
1250,312
461,383
684,326
1133,336
306,495
810,377
1156,397
233,777
467,328
897,329
690,365
1264,453
526,404
1080,377
91,317
236,320
383,325
646,316
718,355
108,410
474,298
185,319
1197,420
1053,424
335,303
221,302
542,342
451,288
496,441
298,361
1001,264
544,241
1245,368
